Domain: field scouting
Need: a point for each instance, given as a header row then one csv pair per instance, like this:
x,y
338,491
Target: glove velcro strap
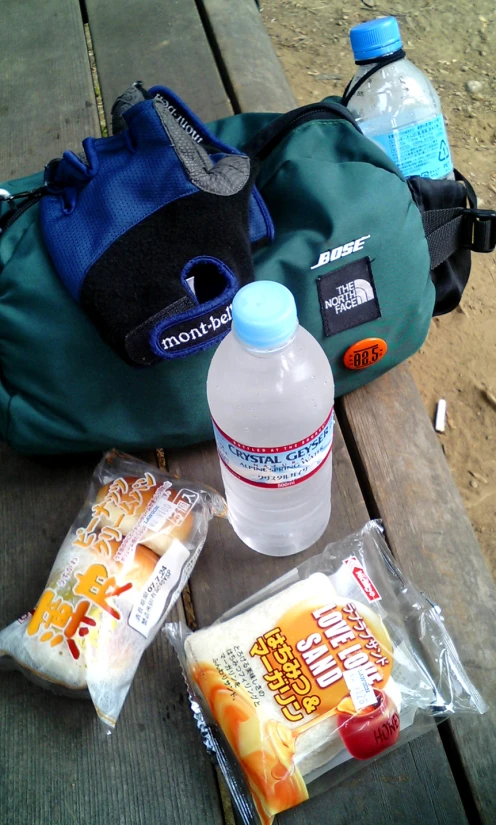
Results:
x,y
185,327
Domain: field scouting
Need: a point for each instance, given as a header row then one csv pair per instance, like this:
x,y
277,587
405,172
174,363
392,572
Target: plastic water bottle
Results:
x,y
397,106
271,394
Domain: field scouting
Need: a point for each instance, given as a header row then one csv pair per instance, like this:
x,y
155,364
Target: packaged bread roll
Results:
x,y
171,517
276,679
327,667
117,574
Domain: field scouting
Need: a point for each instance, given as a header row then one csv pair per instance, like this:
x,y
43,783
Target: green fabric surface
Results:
x,y
63,390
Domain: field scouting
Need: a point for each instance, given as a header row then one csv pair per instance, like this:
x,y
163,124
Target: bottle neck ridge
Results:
x,y
265,351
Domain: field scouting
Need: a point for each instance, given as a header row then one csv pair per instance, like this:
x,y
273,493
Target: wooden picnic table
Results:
x,y
57,767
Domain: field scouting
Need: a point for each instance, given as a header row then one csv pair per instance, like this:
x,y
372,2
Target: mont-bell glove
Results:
x,y
152,229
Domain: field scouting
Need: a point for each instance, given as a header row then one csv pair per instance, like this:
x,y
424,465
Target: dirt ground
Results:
x,y
455,44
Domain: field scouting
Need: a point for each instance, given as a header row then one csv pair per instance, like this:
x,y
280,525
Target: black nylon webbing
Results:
x,y
448,230
444,236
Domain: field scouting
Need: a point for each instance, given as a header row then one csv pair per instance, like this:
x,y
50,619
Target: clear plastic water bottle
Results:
x,y
271,394
397,106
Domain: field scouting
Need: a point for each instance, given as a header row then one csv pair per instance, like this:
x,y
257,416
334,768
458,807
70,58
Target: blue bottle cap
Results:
x,y
375,38
264,314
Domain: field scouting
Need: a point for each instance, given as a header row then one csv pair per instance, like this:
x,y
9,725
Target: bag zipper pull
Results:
x,y
5,195
30,197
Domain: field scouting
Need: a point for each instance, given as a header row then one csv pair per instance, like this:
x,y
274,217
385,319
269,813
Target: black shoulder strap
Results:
x,y
454,226
453,231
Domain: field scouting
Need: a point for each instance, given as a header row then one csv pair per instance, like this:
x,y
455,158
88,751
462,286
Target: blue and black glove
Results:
x,y
152,229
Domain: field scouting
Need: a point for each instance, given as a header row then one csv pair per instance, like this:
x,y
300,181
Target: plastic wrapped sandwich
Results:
x,y
117,574
335,662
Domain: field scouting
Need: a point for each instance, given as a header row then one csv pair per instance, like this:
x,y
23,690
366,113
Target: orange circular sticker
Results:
x,y
364,353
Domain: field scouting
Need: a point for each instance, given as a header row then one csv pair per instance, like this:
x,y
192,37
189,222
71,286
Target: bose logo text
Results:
x,y
340,251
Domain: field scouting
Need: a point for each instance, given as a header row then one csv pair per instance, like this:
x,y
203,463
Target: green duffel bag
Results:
x,y
351,243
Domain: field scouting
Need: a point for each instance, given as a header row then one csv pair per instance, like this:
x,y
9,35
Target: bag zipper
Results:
x,y
10,217
266,140
31,196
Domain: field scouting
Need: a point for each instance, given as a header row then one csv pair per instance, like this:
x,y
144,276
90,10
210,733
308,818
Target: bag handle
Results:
x,y
266,140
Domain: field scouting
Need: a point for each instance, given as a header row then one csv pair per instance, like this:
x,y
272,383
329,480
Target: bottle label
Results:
x,y
276,466
422,149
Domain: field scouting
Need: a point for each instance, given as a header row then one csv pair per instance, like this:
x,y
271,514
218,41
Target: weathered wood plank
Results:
x,y
252,73
408,482
161,42
47,100
57,765
228,571
387,792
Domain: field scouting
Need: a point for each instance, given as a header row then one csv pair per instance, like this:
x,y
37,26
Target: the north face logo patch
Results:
x,y
350,295
347,297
